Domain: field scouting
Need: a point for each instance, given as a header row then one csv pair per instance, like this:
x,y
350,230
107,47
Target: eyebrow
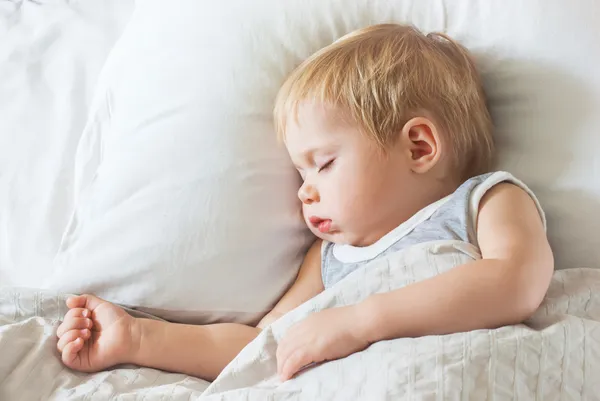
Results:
x,y
308,154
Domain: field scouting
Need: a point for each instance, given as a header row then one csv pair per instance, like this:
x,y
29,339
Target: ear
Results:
x,y
421,140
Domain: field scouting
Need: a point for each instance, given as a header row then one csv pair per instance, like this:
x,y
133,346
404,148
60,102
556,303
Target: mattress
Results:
x,y
51,53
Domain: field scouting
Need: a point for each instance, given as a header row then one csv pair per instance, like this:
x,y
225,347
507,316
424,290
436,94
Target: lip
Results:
x,y
314,220
323,225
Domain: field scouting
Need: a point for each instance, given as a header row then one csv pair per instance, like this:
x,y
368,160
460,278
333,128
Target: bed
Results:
x,y
135,137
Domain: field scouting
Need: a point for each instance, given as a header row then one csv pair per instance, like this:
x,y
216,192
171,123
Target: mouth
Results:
x,y
323,225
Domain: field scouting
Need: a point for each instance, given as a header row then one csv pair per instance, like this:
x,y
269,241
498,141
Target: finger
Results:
x,y
77,312
87,301
71,336
284,349
76,323
294,363
66,338
292,340
69,354
280,354
77,301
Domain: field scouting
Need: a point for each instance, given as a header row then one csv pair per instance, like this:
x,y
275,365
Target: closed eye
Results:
x,y
326,165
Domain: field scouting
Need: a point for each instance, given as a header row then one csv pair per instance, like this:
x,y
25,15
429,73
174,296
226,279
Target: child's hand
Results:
x,y
95,334
324,336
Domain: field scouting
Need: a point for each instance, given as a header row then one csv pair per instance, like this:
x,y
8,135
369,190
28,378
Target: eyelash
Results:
x,y
326,165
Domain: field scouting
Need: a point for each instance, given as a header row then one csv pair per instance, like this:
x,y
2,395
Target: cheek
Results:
x,y
362,188
350,194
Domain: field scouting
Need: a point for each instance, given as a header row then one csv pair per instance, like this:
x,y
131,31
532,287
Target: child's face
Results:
x,y
352,191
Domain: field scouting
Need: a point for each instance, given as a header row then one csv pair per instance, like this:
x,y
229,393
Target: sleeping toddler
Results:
x,y
390,132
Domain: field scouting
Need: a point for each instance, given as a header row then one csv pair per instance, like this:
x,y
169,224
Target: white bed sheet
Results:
x,y
51,52
555,356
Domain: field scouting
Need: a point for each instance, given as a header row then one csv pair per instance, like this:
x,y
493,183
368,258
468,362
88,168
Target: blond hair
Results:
x,y
384,75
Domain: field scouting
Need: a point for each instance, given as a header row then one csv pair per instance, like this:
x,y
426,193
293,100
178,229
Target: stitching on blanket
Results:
x,y
491,364
411,370
581,389
583,364
56,299
439,371
565,360
588,302
36,304
568,299
47,298
465,344
540,385
439,355
388,369
518,340
17,305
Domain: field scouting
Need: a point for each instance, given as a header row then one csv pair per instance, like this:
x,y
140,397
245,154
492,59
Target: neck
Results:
x,y
438,189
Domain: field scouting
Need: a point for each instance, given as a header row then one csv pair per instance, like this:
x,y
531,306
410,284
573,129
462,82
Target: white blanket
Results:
x,y
555,356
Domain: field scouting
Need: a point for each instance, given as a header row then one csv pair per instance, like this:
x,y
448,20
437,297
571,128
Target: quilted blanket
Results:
x,y
553,356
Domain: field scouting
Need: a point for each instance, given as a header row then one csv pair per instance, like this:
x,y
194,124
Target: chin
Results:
x,y
339,239
335,237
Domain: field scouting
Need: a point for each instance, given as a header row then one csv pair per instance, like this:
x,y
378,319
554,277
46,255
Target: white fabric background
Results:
x,y
50,56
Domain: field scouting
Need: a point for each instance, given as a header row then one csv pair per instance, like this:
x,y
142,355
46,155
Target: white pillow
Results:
x,y
186,204
187,207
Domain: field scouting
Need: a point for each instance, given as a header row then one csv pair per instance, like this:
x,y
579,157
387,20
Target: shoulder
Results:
x,y
500,186
502,193
507,197
505,189
511,224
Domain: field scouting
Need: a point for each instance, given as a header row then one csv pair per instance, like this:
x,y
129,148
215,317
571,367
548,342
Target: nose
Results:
x,y
308,194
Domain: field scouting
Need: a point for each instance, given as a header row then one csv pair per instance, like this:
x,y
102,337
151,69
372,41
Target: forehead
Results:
x,y
314,125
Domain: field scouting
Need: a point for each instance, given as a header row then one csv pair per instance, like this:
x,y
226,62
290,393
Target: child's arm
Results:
x,y
308,284
96,334
505,287
200,351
